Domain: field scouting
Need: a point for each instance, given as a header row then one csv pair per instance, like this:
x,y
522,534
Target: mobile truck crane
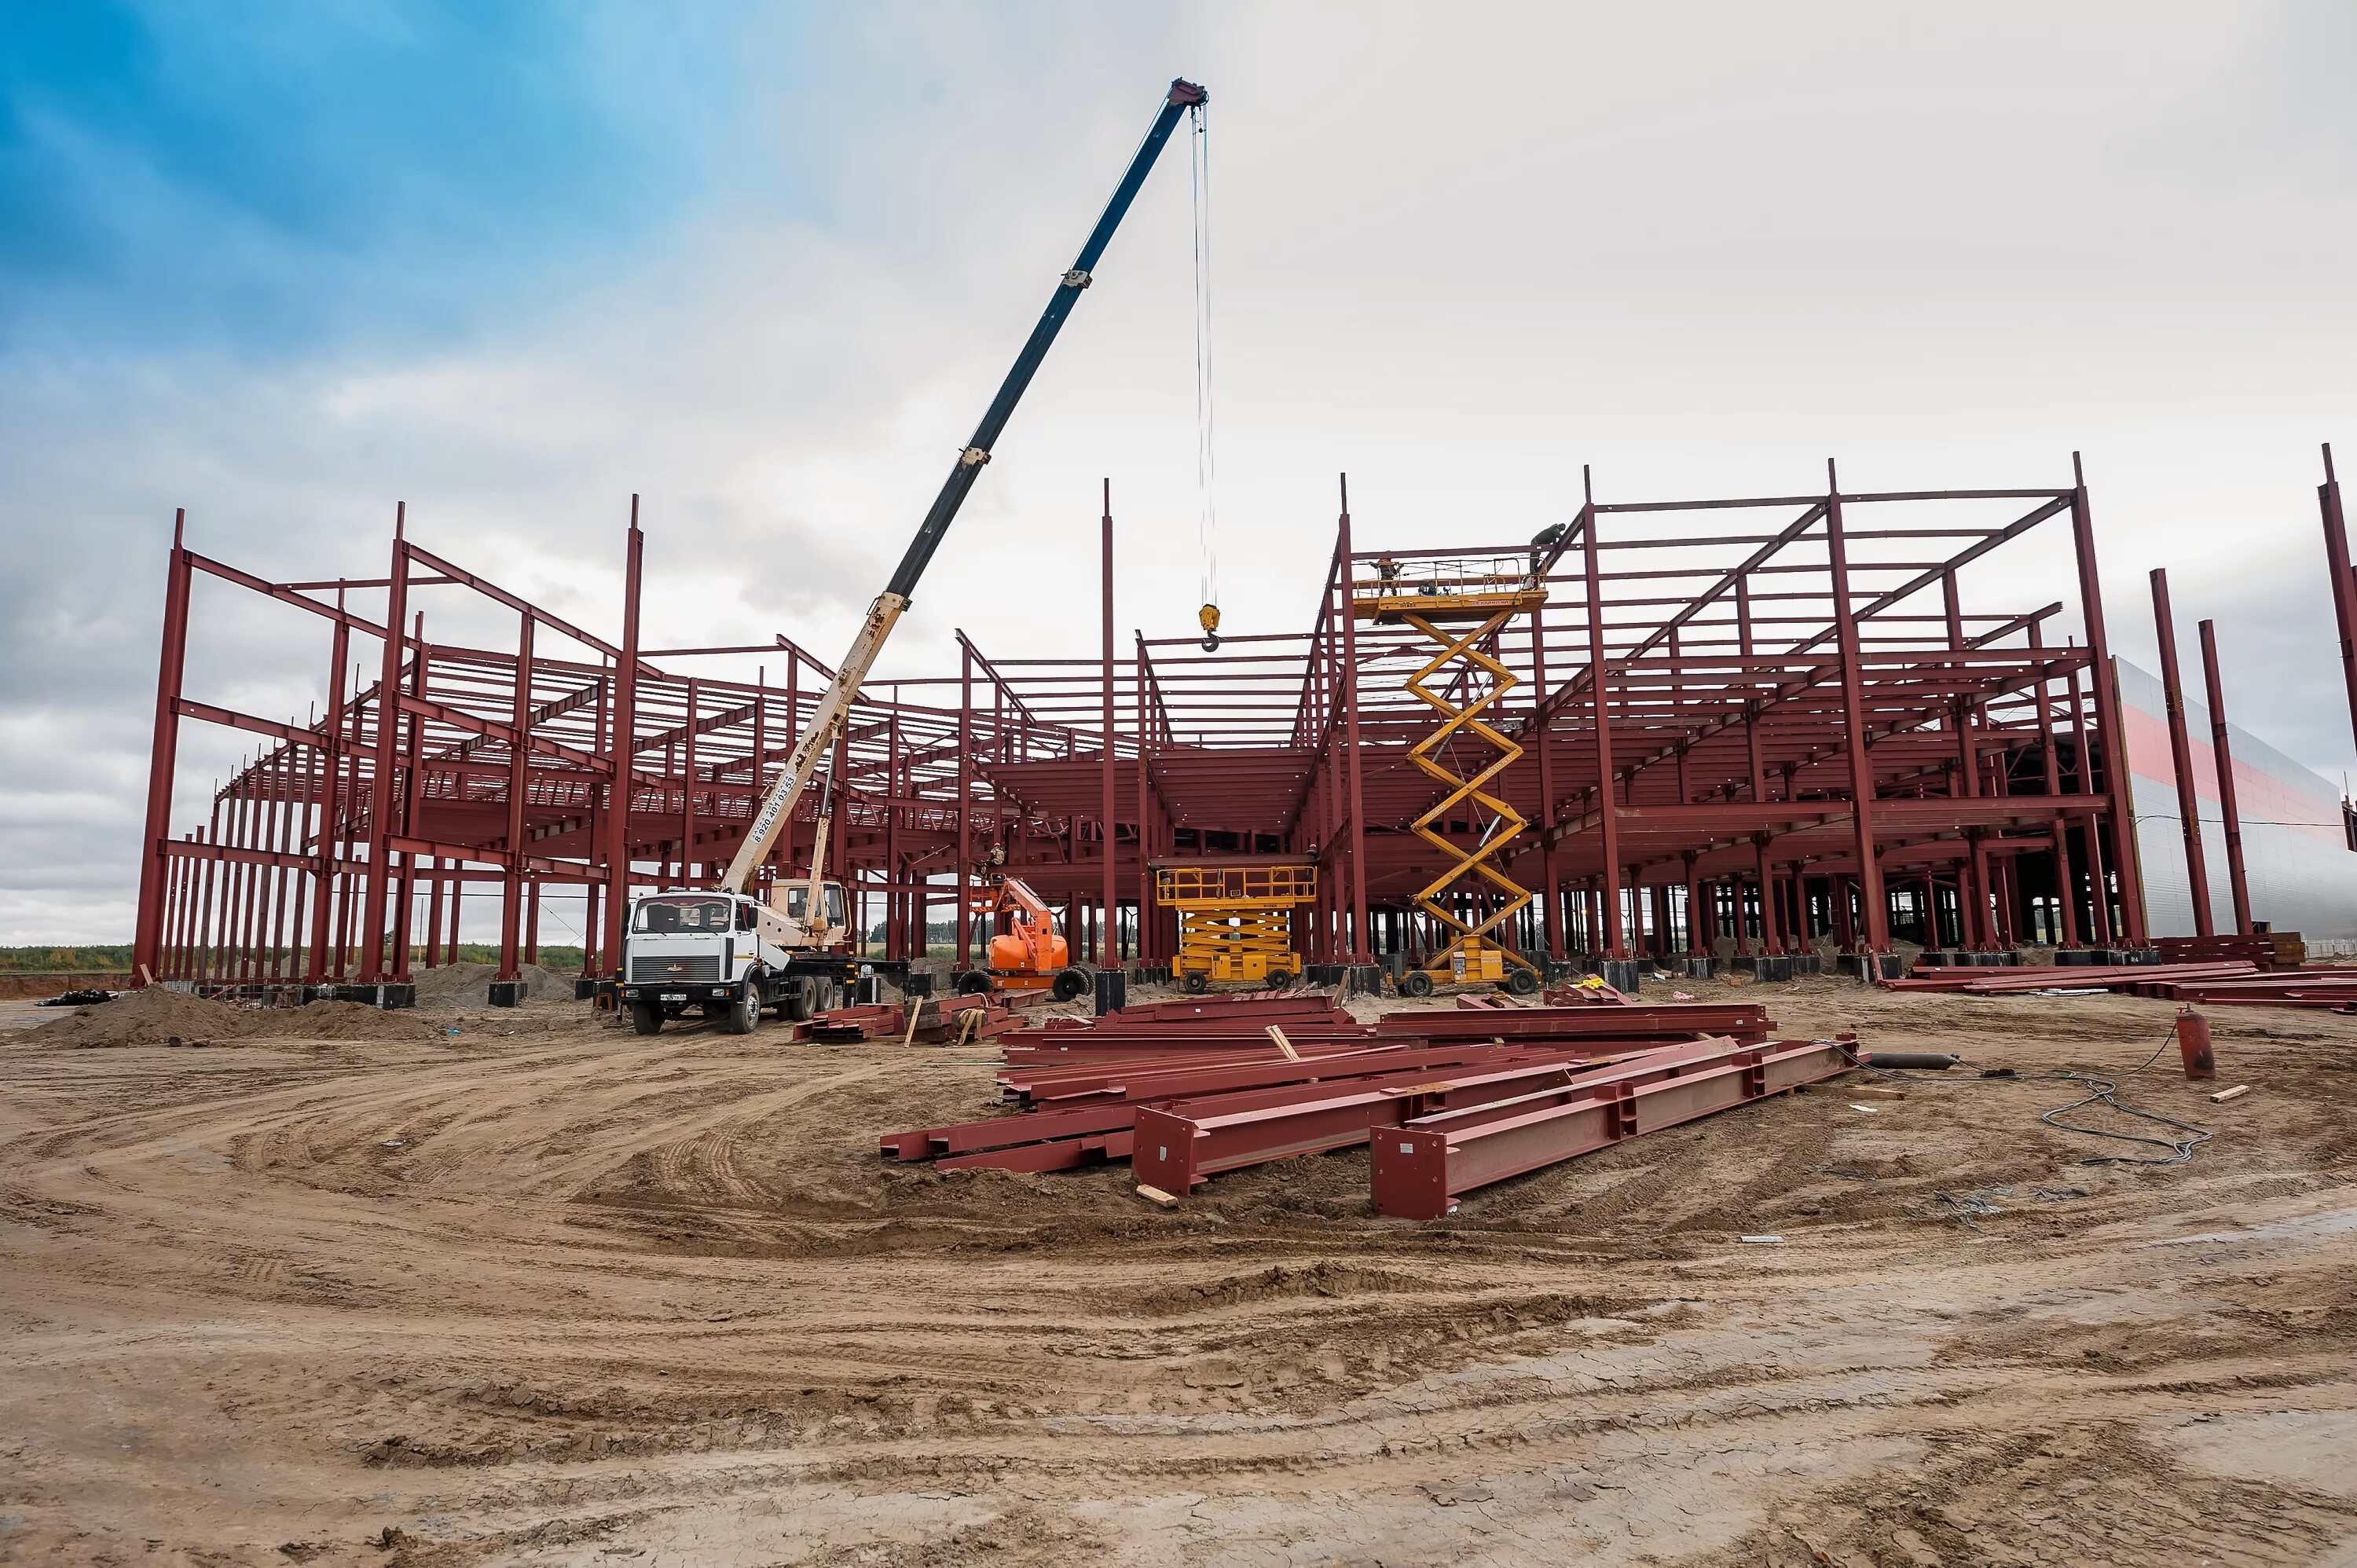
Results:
x,y
726,951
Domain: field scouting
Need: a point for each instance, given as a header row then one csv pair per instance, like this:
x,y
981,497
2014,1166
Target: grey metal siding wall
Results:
x,y
2303,875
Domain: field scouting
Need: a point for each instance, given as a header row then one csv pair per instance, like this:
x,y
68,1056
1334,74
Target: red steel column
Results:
x,y
1108,957
966,806
2181,758
1759,770
1145,953
1361,949
2066,896
895,919
412,732
1861,766
155,861
433,910
687,791
2107,713
510,904
1551,905
626,700
1608,797
388,748
2099,894
2344,588
2212,689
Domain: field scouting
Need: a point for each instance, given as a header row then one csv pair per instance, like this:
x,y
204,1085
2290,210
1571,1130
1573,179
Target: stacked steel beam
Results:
x,y
2230,983
1213,1099
2018,980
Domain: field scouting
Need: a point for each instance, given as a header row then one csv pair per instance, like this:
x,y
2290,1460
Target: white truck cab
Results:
x,y
732,956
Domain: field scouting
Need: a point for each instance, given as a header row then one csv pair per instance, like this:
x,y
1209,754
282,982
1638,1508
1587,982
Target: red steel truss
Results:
x,y
1773,720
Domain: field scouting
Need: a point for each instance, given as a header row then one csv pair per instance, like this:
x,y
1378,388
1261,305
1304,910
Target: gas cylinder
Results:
x,y
2194,1044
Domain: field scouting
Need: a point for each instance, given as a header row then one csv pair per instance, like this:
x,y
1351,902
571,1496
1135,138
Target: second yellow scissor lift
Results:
x,y
1462,607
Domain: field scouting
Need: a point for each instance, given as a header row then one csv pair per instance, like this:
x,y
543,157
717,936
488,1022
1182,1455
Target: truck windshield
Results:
x,y
662,915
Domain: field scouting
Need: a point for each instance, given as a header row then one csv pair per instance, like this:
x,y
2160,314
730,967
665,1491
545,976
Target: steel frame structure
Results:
x,y
1767,721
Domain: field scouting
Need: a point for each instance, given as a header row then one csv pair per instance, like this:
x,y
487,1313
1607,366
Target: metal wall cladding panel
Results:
x,y
2303,875
682,969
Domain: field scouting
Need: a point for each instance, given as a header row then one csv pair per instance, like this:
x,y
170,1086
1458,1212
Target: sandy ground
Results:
x,y
539,1291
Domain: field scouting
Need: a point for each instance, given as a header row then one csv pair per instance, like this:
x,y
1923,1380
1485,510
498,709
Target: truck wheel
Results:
x,y
800,1000
646,1017
1069,983
1522,982
1416,983
744,1014
1197,983
1278,979
973,982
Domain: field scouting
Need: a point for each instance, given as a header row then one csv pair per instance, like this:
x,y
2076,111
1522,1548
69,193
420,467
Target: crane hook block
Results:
x,y
1210,618
1077,278
974,456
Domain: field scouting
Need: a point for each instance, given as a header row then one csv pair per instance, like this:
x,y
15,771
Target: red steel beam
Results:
x,y
1182,1145
1418,1170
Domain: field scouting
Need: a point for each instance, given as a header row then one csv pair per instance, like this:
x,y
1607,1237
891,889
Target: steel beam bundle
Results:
x,y
1744,1021
2020,980
1183,1115
1182,1145
2307,988
1421,1167
2227,981
1083,1129
1165,1077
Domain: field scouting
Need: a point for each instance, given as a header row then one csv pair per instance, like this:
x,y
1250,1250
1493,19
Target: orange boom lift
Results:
x,y
1029,955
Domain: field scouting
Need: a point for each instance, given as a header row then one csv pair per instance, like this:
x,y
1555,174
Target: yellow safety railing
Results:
x,y
1180,886
1235,922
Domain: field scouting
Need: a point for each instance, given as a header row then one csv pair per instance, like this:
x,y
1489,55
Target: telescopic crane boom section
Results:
x,y
778,807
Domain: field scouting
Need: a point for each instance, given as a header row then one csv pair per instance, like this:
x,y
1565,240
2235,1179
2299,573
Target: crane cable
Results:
x,y
1207,518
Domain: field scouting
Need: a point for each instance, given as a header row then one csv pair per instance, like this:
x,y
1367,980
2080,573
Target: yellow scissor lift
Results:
x,y
1235,922
1461,606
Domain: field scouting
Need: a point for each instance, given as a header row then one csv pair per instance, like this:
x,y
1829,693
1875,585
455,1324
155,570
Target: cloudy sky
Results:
x,y
286,265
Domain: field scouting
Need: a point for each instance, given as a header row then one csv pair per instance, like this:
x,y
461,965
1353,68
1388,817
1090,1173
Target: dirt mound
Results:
x,y
151,1017
157,1016
469,984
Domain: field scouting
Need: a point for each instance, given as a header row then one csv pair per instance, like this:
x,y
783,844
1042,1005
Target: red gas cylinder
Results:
x,y
2194,1044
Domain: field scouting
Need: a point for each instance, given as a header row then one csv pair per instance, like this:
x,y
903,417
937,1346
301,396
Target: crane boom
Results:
x,y
834,704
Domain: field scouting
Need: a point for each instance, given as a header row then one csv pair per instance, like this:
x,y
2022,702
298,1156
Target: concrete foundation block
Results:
x,y
1622,974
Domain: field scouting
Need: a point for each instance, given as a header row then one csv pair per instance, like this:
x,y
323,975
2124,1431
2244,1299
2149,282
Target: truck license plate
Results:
x,y
675,996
